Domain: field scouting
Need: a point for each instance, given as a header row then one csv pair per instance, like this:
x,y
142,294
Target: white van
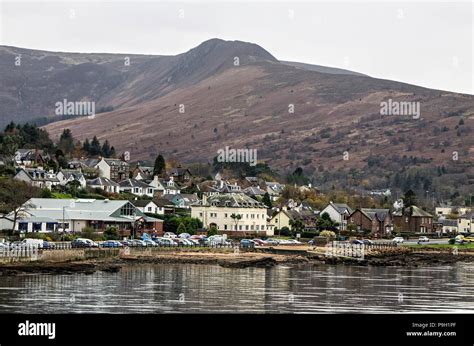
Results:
x,y
32,242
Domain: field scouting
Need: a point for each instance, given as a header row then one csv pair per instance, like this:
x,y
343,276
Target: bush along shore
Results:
x,y
88,261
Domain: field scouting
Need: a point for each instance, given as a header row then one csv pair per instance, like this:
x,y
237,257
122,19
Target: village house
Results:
x,y
377,221
220,211
465,223
66,176
254,192
445,210
104,184
147,206
164,206
449,226
180,175
73,215
136,187
114,169
274,189
170,187
413,219
37,177
183,200
143,173
30,157
338,212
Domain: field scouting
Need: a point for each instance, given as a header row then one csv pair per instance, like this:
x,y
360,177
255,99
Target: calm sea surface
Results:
x,y
209,288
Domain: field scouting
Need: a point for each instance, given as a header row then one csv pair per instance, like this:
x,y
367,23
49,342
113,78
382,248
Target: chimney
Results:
x,y
204,198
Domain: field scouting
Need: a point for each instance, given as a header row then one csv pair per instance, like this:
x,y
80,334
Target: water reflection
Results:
x,y
282,289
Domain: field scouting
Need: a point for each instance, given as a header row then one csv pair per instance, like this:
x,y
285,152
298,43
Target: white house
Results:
x,y
37,177
170,187
147,206
105,184
136,187
114,169
67,175
338,212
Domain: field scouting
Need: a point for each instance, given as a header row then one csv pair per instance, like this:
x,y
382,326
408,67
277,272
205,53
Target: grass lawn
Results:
x,y
61,195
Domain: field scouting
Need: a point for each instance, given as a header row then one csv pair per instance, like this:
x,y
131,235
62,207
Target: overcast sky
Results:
x,y
425,43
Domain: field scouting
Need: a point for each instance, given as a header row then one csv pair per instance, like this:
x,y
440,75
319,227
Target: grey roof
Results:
x,y
449,222
36,174
141,202
133,183
236,200
115,162
342,208
413,211
254,191
101,181
380,214
78,209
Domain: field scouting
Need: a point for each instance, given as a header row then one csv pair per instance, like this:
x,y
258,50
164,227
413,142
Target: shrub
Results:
x,y
111,233
327,234
211,231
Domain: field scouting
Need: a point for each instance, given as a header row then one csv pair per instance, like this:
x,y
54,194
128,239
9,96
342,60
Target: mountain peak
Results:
x,y
246,52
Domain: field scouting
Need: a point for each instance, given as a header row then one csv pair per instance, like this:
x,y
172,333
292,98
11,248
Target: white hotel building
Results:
x,y
216,211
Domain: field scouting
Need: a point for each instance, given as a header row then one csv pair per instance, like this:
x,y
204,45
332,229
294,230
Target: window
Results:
x,y
225,215
225,227
149,208
50,226
127,210
200,214
23,226
240,227
256,227
246,227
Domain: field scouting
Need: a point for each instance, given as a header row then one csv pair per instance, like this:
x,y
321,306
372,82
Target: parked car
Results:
x,y
398,240
247,243
166,242
423,239
137,243
367,241
271,241
83,242
260,242
293,242
112,244
169,235
184,235
48,245
357,242
194,241
186,242
150,242
217,240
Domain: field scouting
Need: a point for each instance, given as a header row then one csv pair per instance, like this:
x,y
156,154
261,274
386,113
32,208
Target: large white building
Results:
x,y
72,215
220,211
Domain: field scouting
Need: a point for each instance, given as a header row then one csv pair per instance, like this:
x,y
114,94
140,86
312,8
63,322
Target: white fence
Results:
x,y
339,249
27,252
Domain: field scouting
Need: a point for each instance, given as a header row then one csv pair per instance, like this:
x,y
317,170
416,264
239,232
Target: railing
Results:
x,y
26,251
